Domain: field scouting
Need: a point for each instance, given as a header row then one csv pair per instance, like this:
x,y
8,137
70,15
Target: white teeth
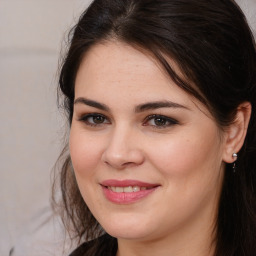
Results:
x,y
119,189
128,189
135,189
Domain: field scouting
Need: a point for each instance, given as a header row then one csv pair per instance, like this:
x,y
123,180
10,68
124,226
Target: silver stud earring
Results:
x,y
234,155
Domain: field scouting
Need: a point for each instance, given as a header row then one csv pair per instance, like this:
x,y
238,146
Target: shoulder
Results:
x,y
104,245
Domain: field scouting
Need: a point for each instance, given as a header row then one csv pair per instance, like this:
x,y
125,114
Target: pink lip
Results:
x,y
124,197
126,183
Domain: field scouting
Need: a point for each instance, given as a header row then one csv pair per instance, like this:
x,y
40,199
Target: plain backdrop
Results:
x,y
31,126
31,36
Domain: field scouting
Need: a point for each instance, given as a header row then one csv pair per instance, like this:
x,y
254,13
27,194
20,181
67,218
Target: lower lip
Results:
x,y
126,198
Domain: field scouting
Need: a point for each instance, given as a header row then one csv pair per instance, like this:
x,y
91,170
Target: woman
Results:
x,y
160,97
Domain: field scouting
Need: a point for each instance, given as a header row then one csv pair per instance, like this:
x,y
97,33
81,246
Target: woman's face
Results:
x,y
147,156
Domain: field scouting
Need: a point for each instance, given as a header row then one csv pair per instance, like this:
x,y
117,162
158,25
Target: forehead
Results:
x,y
115,69
114,60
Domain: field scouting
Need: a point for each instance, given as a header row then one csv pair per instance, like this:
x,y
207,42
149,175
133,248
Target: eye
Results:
x,y
94,119
159,121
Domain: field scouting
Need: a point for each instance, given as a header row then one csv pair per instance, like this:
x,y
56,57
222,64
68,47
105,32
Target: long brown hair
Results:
x,y
214,48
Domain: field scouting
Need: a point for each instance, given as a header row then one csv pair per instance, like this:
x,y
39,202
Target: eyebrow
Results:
x,y
91,103
139,108
158,104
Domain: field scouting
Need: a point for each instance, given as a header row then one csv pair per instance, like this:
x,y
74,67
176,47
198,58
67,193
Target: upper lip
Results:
x,y
126,183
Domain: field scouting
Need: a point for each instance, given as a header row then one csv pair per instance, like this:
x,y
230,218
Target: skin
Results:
x,y
184,157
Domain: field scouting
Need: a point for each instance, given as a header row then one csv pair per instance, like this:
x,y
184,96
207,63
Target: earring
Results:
x,y
234,155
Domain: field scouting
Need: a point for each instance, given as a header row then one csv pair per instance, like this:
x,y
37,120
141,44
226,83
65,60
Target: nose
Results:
x,y
123,149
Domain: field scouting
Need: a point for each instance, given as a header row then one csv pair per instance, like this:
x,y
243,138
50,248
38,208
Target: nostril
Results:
x,y
120,165
130,164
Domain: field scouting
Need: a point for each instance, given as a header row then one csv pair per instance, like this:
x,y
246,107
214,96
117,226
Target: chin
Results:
x,y
132,228
133,234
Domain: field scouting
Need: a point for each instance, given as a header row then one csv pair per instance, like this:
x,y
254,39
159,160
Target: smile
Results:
x,y
126,191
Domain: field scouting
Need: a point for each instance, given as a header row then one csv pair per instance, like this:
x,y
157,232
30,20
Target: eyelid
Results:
x,y
168,120
171,121
84,118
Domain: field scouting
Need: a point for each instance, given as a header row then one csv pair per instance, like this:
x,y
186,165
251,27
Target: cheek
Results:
x,y
85,152
190,171
182,156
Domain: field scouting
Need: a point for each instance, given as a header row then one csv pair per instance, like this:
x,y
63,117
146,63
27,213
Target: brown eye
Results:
x,y
94,119
98,119
159,121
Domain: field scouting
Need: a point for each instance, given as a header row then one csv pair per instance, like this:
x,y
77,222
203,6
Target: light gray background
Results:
x,y
31,32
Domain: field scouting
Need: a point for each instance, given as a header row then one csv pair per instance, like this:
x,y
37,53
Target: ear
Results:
x,y
236,132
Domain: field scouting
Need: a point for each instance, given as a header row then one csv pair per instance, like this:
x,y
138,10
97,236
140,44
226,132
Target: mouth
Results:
x,y
127,191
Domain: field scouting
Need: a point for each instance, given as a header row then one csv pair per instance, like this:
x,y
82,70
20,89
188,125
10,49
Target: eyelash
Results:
x,y
85,118
167,121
